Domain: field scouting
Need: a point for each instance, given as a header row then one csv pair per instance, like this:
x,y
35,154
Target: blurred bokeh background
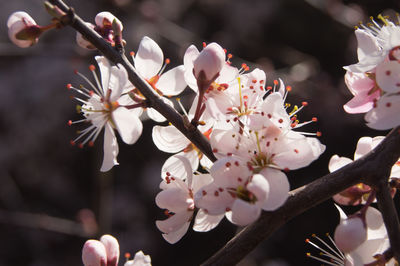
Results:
x,y
53,196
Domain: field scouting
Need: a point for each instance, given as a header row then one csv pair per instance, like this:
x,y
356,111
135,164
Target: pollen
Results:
x,y
69,86
92,68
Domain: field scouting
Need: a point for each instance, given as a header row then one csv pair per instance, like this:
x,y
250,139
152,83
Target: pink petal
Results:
x,y
388,76
112,249
337,162
385,115
259,186
175,236
244,213
174,199
178,166
175,222
18,16
364,145
139,260
94,253
215,200
149,58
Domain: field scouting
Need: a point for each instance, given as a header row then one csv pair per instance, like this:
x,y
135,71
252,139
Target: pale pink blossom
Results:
x,y
139,260
109,107
177,198
22,29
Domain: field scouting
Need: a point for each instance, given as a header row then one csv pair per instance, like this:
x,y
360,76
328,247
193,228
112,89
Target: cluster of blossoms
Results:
x,y
375,79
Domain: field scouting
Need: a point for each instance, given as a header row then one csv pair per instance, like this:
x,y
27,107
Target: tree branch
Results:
x,y
194,135
301,199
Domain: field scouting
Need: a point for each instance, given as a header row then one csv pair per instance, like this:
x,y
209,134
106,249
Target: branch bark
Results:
x,y
154,101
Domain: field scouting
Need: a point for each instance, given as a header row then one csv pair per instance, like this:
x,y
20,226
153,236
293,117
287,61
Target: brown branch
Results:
x,y
154,101
374,164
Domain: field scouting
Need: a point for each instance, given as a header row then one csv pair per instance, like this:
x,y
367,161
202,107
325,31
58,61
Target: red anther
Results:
x,y
91,143
388,73
127,254
229,109
72,142
168,173
247,68
215,150
251,87
227,120
132,53
319,134
304,103
235,119
269,88
172,178
91,93
244,66
269,115
307,240
388,104
262,113
228,164
224,85
225,51
236,163
276,82
288,88
280,120
293,125
254,81
69,86
216,193
69,122
296,150
261,88
228,209
204,44
167,61
229,154
230,56
314,119
245,97
262,81
293,118
204,192
268,143
92,67
220,189
76,71
286,169
80,145
239,179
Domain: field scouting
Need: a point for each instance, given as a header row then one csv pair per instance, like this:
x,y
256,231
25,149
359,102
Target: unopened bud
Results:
x,y
350,234
208,64
94,253
106,19
112,249
22,29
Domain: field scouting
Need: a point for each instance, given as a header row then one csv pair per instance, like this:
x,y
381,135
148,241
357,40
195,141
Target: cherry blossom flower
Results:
x,y
22,29
148,62
106,253
240,193
376,243
109,107
358,194
177,198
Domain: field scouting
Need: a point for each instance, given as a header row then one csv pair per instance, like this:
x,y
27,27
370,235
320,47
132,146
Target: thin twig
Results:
x,y
194,135
373,164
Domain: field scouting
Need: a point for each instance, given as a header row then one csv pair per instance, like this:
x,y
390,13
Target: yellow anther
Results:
x,y
384,19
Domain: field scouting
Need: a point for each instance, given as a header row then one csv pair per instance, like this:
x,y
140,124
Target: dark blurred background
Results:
x,y
49,189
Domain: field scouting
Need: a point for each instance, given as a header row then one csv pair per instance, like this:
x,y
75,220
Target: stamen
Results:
x,y
181,106
89,82
99,87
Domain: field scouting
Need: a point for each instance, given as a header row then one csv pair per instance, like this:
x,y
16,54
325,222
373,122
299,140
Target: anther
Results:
x,y
204,44
127,255
314,119
72,142
132,53
92,68
289,88
276,82
304,103
167,61
319,134
69,86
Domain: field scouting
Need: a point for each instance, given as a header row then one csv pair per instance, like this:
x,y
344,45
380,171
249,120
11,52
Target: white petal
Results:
x,y
190,55
169,139
175,236
128,125
177,166
200,181
376,227
117,81
388,76
259,186
364,145
94,253
213,199
149,58
112,249
337,162
173,81
105,72
18,16
279,188
205,222
110,149
367,44
174,199
350,234
175,222
244,213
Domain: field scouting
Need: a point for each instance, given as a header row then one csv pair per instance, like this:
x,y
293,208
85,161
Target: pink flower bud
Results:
x,y
208,64
94,253
22,29
105,19
350,234
112,249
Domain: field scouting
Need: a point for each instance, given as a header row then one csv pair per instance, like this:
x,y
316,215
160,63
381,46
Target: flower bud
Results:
x,y
208,64
22,29
112,249
105,19
94,253
350,234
